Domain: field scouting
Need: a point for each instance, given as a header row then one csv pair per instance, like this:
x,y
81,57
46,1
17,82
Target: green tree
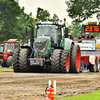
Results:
x,y
12,20
9,11
79,10
23,20
76,28
54,18
42,14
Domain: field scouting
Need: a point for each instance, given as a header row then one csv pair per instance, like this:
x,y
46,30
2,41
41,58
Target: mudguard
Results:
x,y
67,43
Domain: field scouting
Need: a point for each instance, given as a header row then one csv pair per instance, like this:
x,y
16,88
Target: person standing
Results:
x,y
70,35
90,36
80,37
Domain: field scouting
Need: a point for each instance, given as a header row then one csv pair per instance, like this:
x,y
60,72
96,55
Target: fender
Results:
x,y
26,47
67,43
31,49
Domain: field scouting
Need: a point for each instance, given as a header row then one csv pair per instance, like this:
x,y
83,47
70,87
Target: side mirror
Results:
x,y
25,31
66,32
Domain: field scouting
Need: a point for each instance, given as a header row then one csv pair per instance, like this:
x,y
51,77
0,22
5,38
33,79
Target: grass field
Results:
x,y
5,69
90,96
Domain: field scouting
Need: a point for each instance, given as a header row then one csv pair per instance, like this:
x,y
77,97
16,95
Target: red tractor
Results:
x,y
1,52
8,49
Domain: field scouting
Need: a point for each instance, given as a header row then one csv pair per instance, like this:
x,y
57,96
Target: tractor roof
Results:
x,y
12,40
49,23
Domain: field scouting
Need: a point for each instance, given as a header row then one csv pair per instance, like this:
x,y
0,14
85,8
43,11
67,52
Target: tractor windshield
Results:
x,y
9,47
47,30
1,47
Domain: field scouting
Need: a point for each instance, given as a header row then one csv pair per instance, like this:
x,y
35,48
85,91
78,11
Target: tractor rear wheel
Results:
x,y
98,68
94,68
75,59
15,60
9,60
55,61
24,65
65,61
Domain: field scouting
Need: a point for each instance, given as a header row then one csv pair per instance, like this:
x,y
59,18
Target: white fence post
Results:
x,y
49,82
54,83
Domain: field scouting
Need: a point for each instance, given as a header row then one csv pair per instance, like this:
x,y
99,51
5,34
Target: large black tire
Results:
x,y
4,64
94,68
55,61
75,59
98,67
24,65
65,61
9,61
15,60
71,49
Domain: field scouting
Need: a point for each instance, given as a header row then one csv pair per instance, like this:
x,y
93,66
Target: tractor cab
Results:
x,y
9,47
1,47
50,30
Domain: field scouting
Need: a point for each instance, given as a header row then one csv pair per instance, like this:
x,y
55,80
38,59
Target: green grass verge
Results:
x,y
90,96
5,69
0,66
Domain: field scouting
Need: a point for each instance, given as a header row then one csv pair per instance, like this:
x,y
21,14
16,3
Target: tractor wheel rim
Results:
x,y
78,60
67,62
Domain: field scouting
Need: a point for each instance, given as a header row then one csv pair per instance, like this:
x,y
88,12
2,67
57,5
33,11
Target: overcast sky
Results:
x,y
53,6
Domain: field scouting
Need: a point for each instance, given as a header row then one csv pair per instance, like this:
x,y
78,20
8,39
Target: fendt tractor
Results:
x,y
7,52
50,50
90,48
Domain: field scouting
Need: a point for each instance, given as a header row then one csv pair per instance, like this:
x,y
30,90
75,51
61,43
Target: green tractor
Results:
x,y
51,50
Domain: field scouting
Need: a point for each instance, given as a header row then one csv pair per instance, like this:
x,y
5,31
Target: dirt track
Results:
x,y
31,86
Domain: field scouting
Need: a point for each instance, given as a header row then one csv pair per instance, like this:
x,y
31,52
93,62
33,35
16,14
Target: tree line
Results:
x,y
13,18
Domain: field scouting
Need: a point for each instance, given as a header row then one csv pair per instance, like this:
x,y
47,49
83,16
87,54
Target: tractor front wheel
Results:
x,y
24,65
9,60
15,60
4,64
55,61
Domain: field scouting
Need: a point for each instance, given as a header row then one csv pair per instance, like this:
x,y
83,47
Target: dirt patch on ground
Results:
x,y
31,86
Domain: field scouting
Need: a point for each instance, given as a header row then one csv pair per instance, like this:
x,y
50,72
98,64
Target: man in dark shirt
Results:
x,y
80,37
90,36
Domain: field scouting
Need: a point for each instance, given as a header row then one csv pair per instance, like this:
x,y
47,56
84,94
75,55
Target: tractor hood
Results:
x,y
41,40
41,43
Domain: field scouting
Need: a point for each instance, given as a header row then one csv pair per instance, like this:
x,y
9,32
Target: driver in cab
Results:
x,y
49,32
90,36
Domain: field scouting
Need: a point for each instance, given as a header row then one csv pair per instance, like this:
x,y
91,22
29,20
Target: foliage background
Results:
x,y
13,18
